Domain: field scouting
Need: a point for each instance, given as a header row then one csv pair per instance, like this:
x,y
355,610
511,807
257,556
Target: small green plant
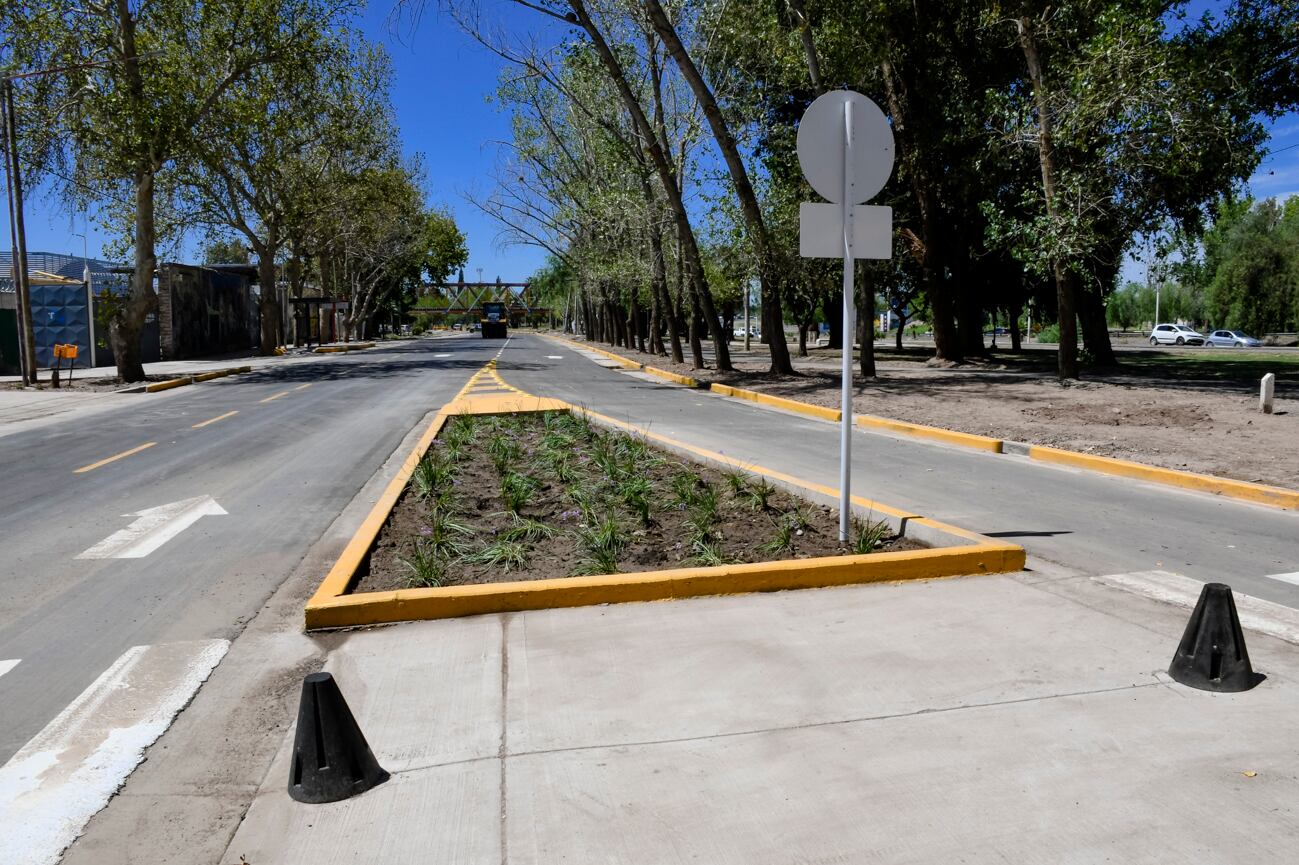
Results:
x,y
517,491
799,518
463,430
431,474
637,493
703,504
709,554
597,563
528,530
698,529
782,541
868,536
425,568
443,535
502,554
738,482
759,495
503,452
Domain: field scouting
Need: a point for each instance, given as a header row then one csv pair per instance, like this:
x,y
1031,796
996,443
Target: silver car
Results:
x,y
1232,339
1175,334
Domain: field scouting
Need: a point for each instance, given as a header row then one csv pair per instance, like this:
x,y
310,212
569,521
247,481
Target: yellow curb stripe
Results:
x,y
933,433
817,411
114,458
208,376
408,604
168,385
215,419
1276,497
670,376
274,396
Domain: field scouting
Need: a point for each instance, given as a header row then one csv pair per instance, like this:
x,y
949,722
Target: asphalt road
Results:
x,y
281,450
1094,524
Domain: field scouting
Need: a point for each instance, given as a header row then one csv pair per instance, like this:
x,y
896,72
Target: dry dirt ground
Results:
x,y
1196,410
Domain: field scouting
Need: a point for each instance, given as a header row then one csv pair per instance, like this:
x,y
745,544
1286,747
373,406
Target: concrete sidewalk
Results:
x,y
1021,718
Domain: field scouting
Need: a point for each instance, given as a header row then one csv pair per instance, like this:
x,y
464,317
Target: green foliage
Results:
x,y
709,553
443,536
528,530
425,566
782,541
759,494
501,554
432,473
517,491
868,536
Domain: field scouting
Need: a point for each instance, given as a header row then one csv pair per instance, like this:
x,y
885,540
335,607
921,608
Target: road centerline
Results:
x,y
274,396
304,386
215,419
113,458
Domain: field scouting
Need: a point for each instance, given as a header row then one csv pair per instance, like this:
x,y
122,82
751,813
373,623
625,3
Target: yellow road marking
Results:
x,y
115,458
276,396
214,420
304,386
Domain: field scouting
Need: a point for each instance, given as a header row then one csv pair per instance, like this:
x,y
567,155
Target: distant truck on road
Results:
x,y
495,321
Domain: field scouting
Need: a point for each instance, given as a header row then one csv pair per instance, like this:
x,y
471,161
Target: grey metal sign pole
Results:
x,y
845,148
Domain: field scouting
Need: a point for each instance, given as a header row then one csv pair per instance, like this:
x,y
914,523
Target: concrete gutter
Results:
x,y
957,552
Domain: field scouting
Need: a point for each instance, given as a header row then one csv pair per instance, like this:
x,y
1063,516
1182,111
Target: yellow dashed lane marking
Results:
x,y
275,396
114,458
304,386
215,419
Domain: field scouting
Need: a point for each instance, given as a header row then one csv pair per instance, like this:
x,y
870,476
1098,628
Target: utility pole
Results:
x,y
18,239
90,292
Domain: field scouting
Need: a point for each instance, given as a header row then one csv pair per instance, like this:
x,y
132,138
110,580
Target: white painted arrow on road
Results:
x,y
154,528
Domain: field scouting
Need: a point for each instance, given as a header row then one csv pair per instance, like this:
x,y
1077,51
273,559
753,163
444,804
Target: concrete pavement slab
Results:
x,y
988,719
805,658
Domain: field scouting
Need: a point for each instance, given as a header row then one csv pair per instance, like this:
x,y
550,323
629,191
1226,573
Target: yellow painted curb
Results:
x,y
1277,497
407,604
337,349
333,607
951,437
219,373
817,411
670,376
168,385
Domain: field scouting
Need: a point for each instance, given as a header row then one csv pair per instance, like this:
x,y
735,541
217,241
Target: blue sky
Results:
x,y
442,83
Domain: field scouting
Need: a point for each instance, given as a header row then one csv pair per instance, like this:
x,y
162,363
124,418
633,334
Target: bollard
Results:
x,y
331,759
1212,654
1265,393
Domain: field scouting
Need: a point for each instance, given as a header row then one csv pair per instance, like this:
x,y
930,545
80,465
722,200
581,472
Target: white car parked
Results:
x,y
1175,334
1232,339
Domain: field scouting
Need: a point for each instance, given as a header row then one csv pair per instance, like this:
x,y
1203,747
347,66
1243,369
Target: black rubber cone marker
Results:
x,y
1212,654
331,759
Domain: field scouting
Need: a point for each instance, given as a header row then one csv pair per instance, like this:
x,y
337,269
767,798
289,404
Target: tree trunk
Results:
x,y
802,339
667,179
125,328
1064,278
942,307
866,333
773,320
269,307
1095,328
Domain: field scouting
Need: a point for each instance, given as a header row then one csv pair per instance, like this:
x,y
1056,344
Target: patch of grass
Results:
x,y
528,530
597,563
431,474
798,518
759,494
425,568
443,535
637,494
709,554
502,554
868,536
738,482
517,491
504,452
603,536
782,541
461,431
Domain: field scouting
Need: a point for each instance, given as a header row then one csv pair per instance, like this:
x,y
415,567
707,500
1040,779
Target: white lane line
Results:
x,y
1292,579
6,666
442,355
1255,614
63,776
154,528
554,357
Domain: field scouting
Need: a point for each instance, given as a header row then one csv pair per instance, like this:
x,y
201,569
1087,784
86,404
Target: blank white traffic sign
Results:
x,y
820,231
821,140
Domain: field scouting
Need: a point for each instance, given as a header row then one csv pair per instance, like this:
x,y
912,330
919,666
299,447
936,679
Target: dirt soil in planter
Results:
x,y
600,469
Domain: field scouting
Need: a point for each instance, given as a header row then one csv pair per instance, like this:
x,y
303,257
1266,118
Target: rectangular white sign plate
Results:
x,y
820,231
